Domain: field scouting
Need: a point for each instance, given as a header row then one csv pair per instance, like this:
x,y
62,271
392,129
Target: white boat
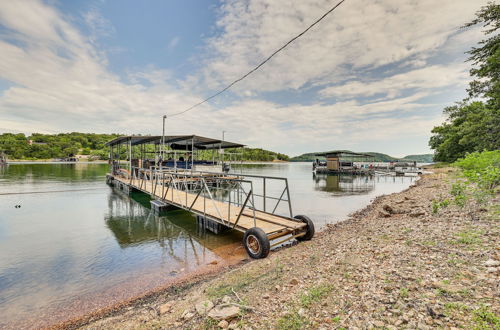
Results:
x,y
405,169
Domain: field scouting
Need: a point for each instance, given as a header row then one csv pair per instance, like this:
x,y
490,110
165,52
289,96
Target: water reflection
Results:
x,y
133,223
344,184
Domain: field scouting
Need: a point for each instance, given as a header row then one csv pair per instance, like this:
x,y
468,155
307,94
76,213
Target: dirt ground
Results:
x,y
400,263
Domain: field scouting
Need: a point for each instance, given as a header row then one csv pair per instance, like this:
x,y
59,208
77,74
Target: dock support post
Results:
x,y
158,206
207,224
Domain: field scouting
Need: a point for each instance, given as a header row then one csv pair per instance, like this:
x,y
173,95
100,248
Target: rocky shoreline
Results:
x,y
398,263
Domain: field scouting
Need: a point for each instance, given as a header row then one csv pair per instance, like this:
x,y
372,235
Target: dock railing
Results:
x,y
179,186
265,181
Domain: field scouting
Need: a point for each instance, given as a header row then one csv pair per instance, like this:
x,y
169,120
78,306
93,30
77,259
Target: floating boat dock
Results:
x,y
354,163
343,162
221,201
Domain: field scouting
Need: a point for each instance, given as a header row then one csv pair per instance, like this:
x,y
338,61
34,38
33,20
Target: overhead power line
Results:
x,y
262,63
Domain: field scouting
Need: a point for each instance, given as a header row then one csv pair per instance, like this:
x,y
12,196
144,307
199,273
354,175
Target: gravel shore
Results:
x,y
399,263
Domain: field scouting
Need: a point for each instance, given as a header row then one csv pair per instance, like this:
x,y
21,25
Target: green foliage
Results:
x,y
258,154
475,126
468,237
458,191
484,318
292,321
315,294
486,59
404,292
436,205
482,169
46,146
469,127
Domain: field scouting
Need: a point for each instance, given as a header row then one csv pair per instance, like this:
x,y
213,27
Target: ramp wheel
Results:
x,y
256,243
309,228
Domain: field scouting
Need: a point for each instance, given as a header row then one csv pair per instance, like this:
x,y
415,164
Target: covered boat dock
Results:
x,y
186,172
343,162
174,151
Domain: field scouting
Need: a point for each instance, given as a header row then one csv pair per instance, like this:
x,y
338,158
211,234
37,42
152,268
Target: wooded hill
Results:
x,y
48,146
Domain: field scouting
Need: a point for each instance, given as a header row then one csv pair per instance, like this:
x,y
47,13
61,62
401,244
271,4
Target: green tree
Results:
x,y
486,58
470,127
474,124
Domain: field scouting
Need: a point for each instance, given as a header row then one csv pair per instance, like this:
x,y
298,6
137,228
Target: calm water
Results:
x,y
76,245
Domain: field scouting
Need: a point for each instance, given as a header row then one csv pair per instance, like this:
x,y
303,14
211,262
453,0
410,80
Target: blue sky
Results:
x,y
373,76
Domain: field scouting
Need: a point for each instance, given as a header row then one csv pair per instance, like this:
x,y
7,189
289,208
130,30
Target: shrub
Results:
x,y
482,168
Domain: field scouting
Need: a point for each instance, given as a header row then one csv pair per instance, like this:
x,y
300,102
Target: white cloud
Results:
x,y
99,26
359,35
61,82
427,78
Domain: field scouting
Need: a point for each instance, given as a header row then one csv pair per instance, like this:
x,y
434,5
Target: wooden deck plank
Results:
x,y
269,223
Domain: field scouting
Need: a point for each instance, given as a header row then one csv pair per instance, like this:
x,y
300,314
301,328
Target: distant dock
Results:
x,y
343,162
353,163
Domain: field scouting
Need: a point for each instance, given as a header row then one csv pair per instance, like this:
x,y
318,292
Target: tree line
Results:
x,y
49,146
473,124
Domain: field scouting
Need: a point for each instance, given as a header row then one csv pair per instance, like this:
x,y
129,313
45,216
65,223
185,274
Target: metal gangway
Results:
x,y
228,200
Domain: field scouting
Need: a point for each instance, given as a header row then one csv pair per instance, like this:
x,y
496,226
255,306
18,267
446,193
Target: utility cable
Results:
x,y
261,64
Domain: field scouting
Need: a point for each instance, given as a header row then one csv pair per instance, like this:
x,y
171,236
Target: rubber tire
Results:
x,y
310,228
260,235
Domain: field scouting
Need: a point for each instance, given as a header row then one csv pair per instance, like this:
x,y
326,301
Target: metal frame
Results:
x,y
212,186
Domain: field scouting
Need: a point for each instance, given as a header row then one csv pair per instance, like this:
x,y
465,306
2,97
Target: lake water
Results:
x,y
75,245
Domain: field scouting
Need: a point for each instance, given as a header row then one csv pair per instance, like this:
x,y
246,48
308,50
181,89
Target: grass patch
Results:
x,y
292,321
465,293
404,292
315,294
494,212
441,292
209,323
455,306
468,237
452,308
436,205
484,318
429,243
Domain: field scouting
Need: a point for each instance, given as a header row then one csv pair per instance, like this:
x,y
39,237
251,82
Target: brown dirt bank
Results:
x,y
395,264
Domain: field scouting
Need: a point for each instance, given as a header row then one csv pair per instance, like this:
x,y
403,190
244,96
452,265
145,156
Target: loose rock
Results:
x,y
224,312
203,307
223,324
491,263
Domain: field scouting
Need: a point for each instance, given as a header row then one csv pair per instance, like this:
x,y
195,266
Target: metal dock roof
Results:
x,y
180,142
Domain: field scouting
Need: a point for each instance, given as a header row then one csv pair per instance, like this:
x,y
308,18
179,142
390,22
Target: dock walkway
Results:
x,y
195,192
272,225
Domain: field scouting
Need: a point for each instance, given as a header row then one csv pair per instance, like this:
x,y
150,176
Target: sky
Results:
x,y
374,75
